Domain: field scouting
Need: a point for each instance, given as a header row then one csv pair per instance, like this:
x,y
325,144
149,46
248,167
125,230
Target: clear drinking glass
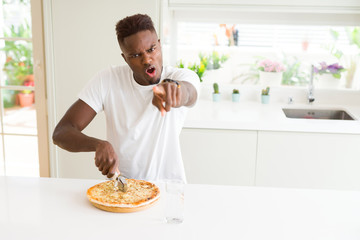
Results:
x,y
174,211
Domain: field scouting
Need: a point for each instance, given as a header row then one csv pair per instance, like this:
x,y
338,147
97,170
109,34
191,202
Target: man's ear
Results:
x,y
123,57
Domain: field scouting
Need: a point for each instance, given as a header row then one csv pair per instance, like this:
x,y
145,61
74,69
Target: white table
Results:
x,y
49,208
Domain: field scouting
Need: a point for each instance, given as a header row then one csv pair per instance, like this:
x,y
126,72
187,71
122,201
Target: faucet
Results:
x,y
290,100
311,97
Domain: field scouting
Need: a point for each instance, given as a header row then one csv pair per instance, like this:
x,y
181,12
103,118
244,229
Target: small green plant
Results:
x,y
207,62
236,91
265,91
354,36
216,88
199,69
294,75
213,60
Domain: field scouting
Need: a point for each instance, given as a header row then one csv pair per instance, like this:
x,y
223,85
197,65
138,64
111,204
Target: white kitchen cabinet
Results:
x,y
310,160
219,156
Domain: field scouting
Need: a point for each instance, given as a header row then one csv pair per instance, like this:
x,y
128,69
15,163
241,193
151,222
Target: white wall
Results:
x,y
80,40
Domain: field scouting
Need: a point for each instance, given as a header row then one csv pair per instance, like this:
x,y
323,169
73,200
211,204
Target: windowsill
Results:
x,y
281,94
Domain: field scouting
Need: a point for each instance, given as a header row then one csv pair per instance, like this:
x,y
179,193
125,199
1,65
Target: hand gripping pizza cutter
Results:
x,y
120,182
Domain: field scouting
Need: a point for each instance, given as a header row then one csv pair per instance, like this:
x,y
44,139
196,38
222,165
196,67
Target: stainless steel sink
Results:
x,y
330,114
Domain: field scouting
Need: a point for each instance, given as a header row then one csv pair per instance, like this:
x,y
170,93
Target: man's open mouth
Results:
x,y
151,71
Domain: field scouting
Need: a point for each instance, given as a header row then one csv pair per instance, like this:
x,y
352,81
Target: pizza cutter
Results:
x,y
120,182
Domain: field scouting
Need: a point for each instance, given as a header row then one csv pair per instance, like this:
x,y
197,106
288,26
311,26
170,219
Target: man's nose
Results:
x,y
146,58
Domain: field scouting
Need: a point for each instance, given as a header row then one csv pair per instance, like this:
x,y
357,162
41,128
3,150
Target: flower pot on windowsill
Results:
x,y
235,97
26,99
270,78
216,97
222,75
265,99
328,81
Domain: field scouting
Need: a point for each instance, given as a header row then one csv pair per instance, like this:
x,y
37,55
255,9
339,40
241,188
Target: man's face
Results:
x,y
142,52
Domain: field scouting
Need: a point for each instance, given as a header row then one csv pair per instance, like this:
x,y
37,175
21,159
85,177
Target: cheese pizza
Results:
x,y
139,195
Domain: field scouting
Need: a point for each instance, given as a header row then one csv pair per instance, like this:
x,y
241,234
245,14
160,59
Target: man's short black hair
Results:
x,y
133,24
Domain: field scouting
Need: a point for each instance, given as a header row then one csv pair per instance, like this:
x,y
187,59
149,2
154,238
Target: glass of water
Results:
x,y
174,211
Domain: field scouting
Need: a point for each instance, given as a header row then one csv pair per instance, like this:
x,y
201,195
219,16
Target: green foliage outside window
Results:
x,y
19,62
213,60
206,62
293,74
199,69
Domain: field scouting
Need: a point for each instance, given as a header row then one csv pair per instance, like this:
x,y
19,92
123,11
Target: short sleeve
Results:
x,y
93,93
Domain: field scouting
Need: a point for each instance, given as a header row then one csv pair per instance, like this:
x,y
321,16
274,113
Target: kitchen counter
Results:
x,y
252,115
50,208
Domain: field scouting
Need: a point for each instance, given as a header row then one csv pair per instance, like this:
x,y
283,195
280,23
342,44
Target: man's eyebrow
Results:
x,y
134,53
153,45
138,53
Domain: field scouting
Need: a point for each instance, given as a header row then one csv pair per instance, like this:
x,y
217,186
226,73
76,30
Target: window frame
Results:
x,y
322,12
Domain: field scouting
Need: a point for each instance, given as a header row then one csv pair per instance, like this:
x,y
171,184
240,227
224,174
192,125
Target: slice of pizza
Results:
x,y
139,195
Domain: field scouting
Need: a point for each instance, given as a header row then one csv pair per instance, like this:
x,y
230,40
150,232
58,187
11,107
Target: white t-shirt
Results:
x,y
146,143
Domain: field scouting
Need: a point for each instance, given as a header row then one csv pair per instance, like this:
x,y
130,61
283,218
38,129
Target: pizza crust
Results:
x,y
140,195
123,209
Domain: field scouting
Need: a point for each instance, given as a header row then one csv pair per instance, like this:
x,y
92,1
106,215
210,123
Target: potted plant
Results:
x,y
294,75
206,63
26,97
329,75
199,69
213,60
213,63
235,95
216,94
265,97
270,72
18,66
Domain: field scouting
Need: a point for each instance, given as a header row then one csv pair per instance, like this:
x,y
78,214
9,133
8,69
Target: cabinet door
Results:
x,y
310,160
219,156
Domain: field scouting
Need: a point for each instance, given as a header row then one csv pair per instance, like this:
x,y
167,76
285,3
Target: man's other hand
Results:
x,y
167,95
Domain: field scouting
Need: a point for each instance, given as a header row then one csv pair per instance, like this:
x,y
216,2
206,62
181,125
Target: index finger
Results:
x,y
113,169
158,99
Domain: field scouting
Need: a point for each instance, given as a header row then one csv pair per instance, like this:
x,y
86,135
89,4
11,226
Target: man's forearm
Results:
x,y
73,140
189,95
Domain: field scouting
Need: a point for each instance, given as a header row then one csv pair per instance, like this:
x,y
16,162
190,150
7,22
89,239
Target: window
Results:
x,y
297,44
19,143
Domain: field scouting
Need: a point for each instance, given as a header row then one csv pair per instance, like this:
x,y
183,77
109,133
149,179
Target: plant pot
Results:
x,y
30,78
270,78
216,97
265,99
9,98
26,99
221,75
235,97
328,81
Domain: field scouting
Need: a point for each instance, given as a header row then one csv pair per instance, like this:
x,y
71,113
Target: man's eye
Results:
x,y
134,55
151,50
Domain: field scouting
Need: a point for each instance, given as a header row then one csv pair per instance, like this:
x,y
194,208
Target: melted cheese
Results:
x,y
138,193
